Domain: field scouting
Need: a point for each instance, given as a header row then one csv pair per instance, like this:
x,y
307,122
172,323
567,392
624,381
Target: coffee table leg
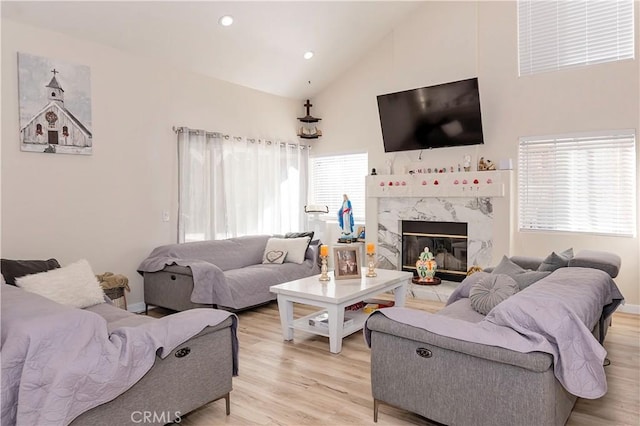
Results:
x,y
286,317
336,318
400,295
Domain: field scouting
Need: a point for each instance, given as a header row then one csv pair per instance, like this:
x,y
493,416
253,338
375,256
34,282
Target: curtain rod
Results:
x,y
183,129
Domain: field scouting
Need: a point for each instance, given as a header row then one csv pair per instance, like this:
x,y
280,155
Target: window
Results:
x,y
559,34
332,176
578,183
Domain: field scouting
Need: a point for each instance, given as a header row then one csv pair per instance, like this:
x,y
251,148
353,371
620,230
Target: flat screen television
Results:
x,y
431,117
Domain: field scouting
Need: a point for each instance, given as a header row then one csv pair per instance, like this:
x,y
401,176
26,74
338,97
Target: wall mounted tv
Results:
x,y
431,117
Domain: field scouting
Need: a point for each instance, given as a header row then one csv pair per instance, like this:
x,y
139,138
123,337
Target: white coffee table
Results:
x,y
333,296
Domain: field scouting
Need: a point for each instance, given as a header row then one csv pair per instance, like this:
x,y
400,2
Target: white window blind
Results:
x,y
578,183
332,176
553,35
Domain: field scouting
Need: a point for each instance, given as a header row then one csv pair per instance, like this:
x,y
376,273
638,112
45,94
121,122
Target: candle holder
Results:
x,y
323,269
372,265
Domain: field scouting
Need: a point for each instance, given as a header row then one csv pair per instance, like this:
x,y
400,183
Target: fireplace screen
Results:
x,y
446,240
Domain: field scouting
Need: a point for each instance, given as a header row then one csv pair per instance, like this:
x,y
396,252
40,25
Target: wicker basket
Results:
x,y
114,293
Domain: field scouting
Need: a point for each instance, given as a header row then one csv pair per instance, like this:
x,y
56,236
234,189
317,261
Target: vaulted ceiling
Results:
x,y
263,49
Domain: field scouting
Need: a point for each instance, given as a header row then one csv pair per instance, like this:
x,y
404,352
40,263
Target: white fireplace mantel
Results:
x,y
483,199
491,183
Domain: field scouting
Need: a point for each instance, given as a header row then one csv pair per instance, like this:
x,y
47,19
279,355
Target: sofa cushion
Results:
x,y
12,269
508,267
527,278
556,260
295,248
73,285
490,291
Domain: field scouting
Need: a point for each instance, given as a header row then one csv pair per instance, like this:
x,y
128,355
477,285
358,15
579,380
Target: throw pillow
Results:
x,y
73,285
490,291
462,290
295,248
508,267
556,260
300,235
274,256
527,278
12,269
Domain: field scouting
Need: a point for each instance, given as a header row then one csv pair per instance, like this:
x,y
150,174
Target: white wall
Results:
x,y
108,207
447,41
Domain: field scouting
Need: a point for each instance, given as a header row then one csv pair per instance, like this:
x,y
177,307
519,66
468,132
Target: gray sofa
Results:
x,y
197,372
194,373
459,381
228,274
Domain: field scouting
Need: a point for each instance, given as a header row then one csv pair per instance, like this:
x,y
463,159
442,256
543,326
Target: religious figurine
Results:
x,y
345,217
426,266
466,164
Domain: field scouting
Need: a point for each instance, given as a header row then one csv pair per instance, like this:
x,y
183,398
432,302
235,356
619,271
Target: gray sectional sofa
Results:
x,y
459,367
229,274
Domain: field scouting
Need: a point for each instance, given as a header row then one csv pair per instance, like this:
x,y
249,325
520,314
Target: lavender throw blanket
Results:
x,y
554,316
58,361
209,282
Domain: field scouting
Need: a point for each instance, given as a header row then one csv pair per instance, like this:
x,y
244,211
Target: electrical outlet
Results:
x,y
165,216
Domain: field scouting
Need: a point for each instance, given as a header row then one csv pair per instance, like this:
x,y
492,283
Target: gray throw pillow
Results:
x,y
12,269
527,278
508,267
462,290
490,291
556,260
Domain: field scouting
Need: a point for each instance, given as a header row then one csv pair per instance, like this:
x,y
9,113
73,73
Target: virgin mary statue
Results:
x,y
345,217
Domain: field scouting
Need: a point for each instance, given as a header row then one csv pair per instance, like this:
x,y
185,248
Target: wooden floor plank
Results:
x,y
302,383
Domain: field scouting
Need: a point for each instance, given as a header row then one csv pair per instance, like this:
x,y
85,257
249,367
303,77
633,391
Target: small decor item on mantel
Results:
x,y
426,267
467,163
309,130
485,164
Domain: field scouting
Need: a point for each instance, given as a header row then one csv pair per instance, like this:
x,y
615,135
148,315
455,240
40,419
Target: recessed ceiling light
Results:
x,y
226,20
308,55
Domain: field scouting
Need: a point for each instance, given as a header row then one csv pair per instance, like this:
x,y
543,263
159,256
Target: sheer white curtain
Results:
x,y
232,186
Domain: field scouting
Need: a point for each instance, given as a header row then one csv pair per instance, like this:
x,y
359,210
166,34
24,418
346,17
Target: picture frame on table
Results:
x,y
346,261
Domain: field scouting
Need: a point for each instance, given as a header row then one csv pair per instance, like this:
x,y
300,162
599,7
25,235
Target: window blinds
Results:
x,y
578,183
553,35
332,176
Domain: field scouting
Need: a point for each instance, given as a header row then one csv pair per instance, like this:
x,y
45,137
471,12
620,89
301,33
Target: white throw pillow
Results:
x,y
294,249
73,285
274,256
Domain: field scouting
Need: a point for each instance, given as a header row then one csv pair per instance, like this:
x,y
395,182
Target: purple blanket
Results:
x,y
554,316
209,282
58,361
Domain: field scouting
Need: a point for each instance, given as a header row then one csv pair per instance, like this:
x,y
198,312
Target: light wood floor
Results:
x,y
302,383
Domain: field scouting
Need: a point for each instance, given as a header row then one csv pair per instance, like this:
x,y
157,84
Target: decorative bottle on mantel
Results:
x,y
426,266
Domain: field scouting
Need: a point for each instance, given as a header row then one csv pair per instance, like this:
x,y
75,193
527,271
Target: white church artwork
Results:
x,y
55,106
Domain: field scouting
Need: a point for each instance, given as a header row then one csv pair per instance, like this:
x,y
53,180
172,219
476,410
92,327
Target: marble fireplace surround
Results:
x,y
488,214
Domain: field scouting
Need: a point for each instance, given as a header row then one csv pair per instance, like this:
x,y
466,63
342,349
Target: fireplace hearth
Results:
x,y
448,241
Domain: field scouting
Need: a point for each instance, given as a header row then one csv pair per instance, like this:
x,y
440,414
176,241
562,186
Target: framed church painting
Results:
x,y
55,106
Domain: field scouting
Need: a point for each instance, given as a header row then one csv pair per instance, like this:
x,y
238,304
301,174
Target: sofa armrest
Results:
x,y
602,260
175,385
535,361
177,269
